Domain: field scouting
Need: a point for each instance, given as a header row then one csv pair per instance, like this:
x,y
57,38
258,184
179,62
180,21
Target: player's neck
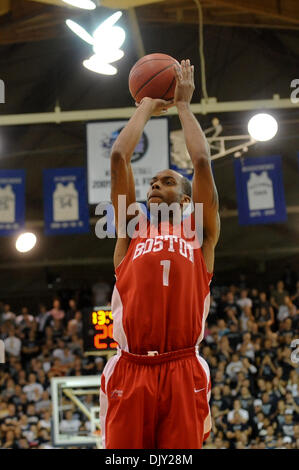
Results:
x,y
158,219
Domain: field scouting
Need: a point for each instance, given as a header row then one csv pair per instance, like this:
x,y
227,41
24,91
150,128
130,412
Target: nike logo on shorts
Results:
x,y
199,390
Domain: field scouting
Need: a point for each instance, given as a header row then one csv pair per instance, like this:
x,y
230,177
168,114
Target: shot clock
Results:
x,y
98,330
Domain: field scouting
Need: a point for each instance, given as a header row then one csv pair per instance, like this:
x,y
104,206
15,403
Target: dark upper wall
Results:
x,y
241,64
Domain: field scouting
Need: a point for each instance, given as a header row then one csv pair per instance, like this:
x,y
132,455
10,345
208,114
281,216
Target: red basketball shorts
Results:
x,y
155,402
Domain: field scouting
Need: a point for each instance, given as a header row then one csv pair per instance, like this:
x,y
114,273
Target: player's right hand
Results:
x,y
157,106
184,89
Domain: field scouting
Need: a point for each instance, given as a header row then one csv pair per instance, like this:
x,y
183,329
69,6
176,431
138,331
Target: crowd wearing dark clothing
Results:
x,y
247,344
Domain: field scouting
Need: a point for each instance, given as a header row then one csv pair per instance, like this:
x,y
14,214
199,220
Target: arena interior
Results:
x,y
246,56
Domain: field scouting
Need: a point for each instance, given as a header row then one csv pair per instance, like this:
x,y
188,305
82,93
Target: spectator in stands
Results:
x,y
222,328
279,294
7,314
57,369
9,440
70,313
45,422
56,312
13,344
44,403
230,304
33,390
43,319
24,319
244,300
265,320
245,317
233,367
75,325
238,411
267,368
70,425
30,347
287,309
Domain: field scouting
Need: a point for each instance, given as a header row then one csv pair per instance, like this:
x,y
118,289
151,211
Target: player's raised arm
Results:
x,y
203,185
122,180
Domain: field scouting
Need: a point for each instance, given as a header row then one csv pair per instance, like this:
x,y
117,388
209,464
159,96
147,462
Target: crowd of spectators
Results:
x,y
247,344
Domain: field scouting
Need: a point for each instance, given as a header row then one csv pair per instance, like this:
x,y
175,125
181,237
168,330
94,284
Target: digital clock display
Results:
x,y
98,330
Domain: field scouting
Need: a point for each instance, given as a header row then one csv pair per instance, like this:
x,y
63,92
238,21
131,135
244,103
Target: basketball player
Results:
x,y
155,391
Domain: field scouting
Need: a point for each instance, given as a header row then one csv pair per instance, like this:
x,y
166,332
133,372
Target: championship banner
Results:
x,y
12,201
65,201
260,190
150,156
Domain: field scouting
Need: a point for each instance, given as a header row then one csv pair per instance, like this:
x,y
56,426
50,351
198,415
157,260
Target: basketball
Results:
x,y
153,76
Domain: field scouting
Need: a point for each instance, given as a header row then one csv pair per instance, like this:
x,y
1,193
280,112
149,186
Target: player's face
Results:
x,y
165,187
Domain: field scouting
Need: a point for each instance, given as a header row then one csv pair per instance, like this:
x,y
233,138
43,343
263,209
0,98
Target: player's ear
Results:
x,y
185,199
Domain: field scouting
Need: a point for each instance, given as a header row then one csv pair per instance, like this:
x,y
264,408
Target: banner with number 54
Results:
x,y
65,201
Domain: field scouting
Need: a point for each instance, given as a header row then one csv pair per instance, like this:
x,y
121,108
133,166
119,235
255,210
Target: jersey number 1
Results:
x,y
166,268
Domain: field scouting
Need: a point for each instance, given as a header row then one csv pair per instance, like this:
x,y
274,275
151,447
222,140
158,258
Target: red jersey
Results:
x,y
161,297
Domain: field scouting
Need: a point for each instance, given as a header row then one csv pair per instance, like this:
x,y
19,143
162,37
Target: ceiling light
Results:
x,y
25,242
106,41
109,38
86,4
108,55
262,127
81,32
96,65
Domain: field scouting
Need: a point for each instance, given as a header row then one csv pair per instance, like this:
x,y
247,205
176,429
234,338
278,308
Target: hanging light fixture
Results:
x,y
106,40
85,4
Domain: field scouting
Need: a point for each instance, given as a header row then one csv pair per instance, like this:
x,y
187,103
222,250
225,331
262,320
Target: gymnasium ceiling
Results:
x,y
35,20
252,52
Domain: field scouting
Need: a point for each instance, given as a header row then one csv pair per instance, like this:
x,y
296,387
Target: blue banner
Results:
x,y
188,173
12,201
65,201
260,190
183,171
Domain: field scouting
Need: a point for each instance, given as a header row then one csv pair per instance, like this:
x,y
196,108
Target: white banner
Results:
x,y
150,156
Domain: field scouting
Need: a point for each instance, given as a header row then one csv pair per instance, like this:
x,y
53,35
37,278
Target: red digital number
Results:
x,y
105,331
97,338
110,331
110,334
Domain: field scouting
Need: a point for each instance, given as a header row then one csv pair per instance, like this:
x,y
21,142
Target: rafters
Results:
x,y
34,20
286,11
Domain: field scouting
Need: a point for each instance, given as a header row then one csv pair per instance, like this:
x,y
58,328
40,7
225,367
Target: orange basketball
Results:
x,y
153,76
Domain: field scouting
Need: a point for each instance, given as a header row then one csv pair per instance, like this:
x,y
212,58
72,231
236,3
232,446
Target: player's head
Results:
x,y
169,186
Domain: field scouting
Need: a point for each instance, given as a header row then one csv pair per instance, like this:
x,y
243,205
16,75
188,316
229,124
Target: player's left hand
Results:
x,y
184,89
158,106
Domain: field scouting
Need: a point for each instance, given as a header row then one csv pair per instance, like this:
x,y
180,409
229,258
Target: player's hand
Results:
x,y
157,106
184,89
